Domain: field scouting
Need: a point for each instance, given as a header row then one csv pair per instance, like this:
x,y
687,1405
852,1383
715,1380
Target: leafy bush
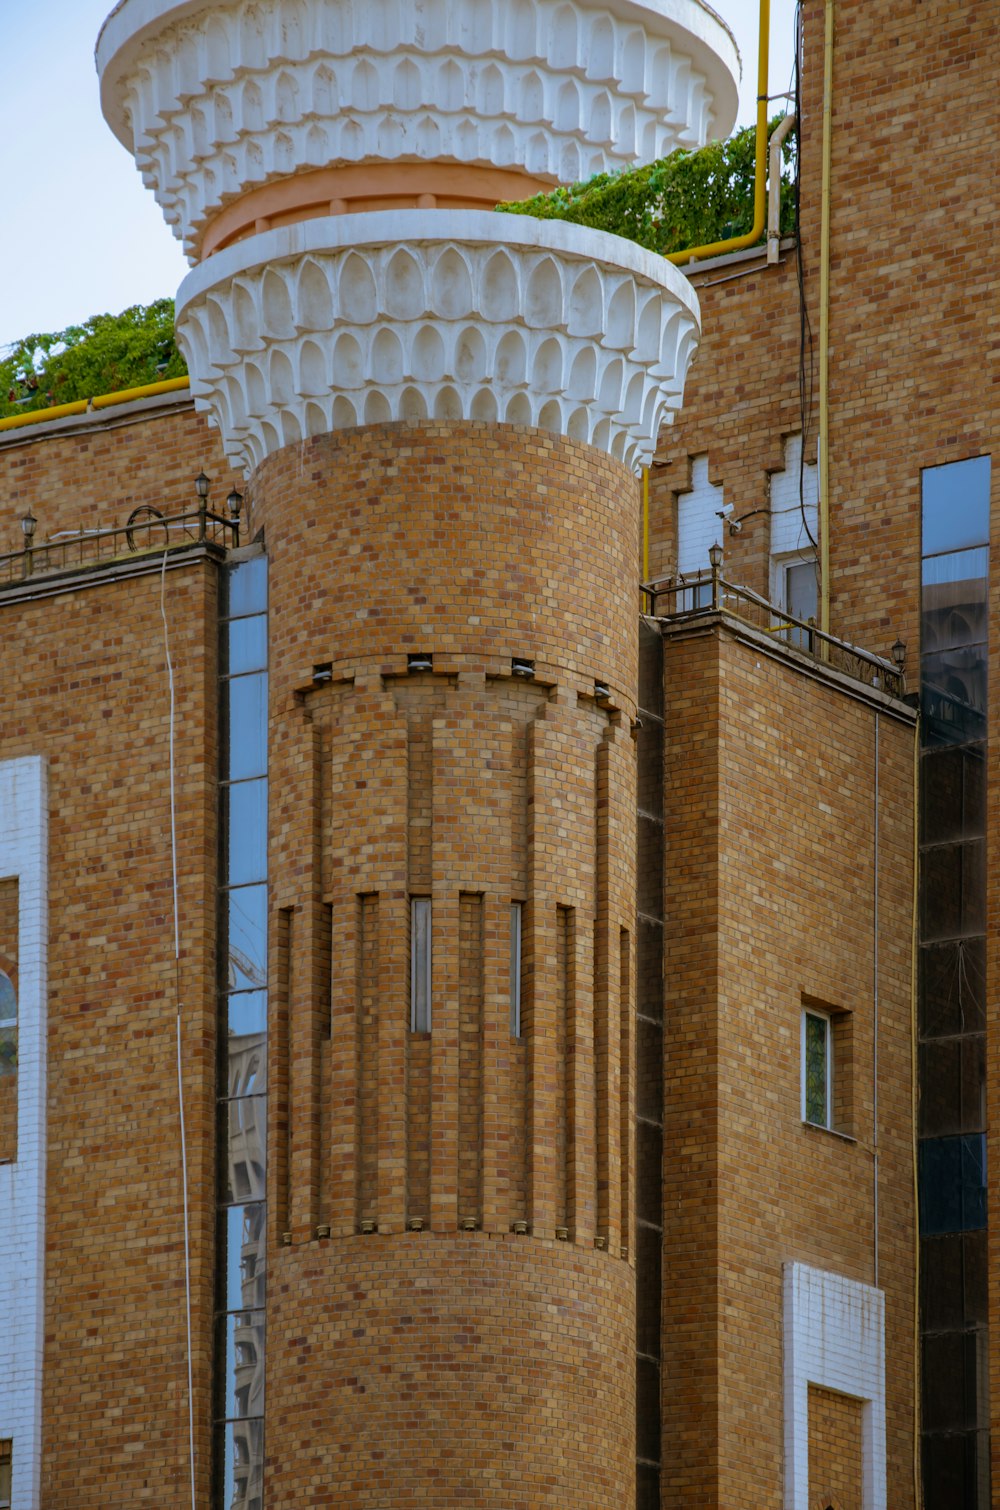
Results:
x,y
684,200
105,354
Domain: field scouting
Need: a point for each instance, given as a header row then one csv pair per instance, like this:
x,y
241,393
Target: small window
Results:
x,y
420,964
8,1025
516,912
6,1469
817,1069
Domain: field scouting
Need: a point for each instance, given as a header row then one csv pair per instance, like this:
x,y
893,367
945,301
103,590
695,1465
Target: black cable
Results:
x,y
806,357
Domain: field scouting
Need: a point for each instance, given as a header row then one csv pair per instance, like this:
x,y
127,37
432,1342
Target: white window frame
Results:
x,y
516,930
827,1020
421,920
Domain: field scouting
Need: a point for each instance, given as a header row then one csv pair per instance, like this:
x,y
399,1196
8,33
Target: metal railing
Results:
x,y
146,532
707,592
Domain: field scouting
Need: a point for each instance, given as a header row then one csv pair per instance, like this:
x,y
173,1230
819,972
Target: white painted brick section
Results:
x,y
834,1339
789,530
698,524
24,854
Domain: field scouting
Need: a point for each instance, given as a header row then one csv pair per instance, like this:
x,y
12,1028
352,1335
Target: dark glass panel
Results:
x,y
242,1257
973,1181
650,669
248,587
247,733
649,876
941,818
976,1278
953,890
941,1269
940,1087
943,1460
974,793
241,1345
973,1082
649,770
245,816
647,1281
647,1410
952,987
649,1153
944,1379
647,1487
243,1149
953,695
649,968
955,505
246,645
247,914
649,1070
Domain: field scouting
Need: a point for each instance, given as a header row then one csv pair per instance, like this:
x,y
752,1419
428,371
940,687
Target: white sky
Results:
x,y
80,234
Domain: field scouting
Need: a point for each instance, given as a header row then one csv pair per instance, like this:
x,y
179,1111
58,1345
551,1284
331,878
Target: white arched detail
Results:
x,y
215,99
577,331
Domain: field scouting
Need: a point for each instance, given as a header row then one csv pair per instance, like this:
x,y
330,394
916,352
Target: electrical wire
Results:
x,y
806,358
177,1000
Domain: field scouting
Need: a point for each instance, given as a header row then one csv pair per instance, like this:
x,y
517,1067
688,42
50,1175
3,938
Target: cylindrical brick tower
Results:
x,y
440,410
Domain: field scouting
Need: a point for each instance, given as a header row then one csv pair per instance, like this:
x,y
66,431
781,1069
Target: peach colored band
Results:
x,y
365,186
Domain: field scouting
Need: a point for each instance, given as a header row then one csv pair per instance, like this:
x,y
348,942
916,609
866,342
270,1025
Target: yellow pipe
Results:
x,y
737,243
102,401
15,421
824,326
148,390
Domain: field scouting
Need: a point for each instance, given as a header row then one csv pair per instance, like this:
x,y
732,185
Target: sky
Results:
x,y
80,234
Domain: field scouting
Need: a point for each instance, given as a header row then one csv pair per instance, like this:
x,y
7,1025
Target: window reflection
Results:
x,y
956,505
246,831
240,1450
8,1025
247,908
248,587
246,643
244,1257
244,1130
247,726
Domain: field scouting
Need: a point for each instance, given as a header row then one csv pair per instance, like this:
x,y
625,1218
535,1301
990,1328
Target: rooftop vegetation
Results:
x,y
103,355
684,200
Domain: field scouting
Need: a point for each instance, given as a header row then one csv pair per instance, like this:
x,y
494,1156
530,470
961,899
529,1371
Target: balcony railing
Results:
x,y
709,592
147,532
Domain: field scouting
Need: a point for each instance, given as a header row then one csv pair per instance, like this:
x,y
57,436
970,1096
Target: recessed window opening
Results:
x,y
8,1025
420,964
817,1068
516,916
6,1473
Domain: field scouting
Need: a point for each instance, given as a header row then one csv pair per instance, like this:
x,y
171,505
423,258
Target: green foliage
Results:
x,y
684,200
105,354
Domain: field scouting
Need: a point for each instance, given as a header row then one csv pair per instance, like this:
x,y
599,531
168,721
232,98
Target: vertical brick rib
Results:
x,y
470,1055
543,1070
497,1111
365,1057
345,1082
278,1071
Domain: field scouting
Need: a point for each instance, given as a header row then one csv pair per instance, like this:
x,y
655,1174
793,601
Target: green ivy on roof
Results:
x,y
684,200
103,355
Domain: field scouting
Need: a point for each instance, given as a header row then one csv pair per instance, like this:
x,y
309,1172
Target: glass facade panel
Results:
x,y
247,645
243,1131
247,937
243,1256
952,981
956,505
242,1066
248,587
241,1344
245,823
247,727
952,1184
239,1455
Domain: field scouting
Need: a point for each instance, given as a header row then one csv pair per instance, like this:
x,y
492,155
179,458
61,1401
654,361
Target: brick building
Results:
x,y
467,1023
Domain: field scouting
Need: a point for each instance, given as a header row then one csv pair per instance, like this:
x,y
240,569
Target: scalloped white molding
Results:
x,y
437,314
217,99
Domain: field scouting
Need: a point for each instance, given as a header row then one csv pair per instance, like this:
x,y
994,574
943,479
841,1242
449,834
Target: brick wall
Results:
x,y
770,901
835,1459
